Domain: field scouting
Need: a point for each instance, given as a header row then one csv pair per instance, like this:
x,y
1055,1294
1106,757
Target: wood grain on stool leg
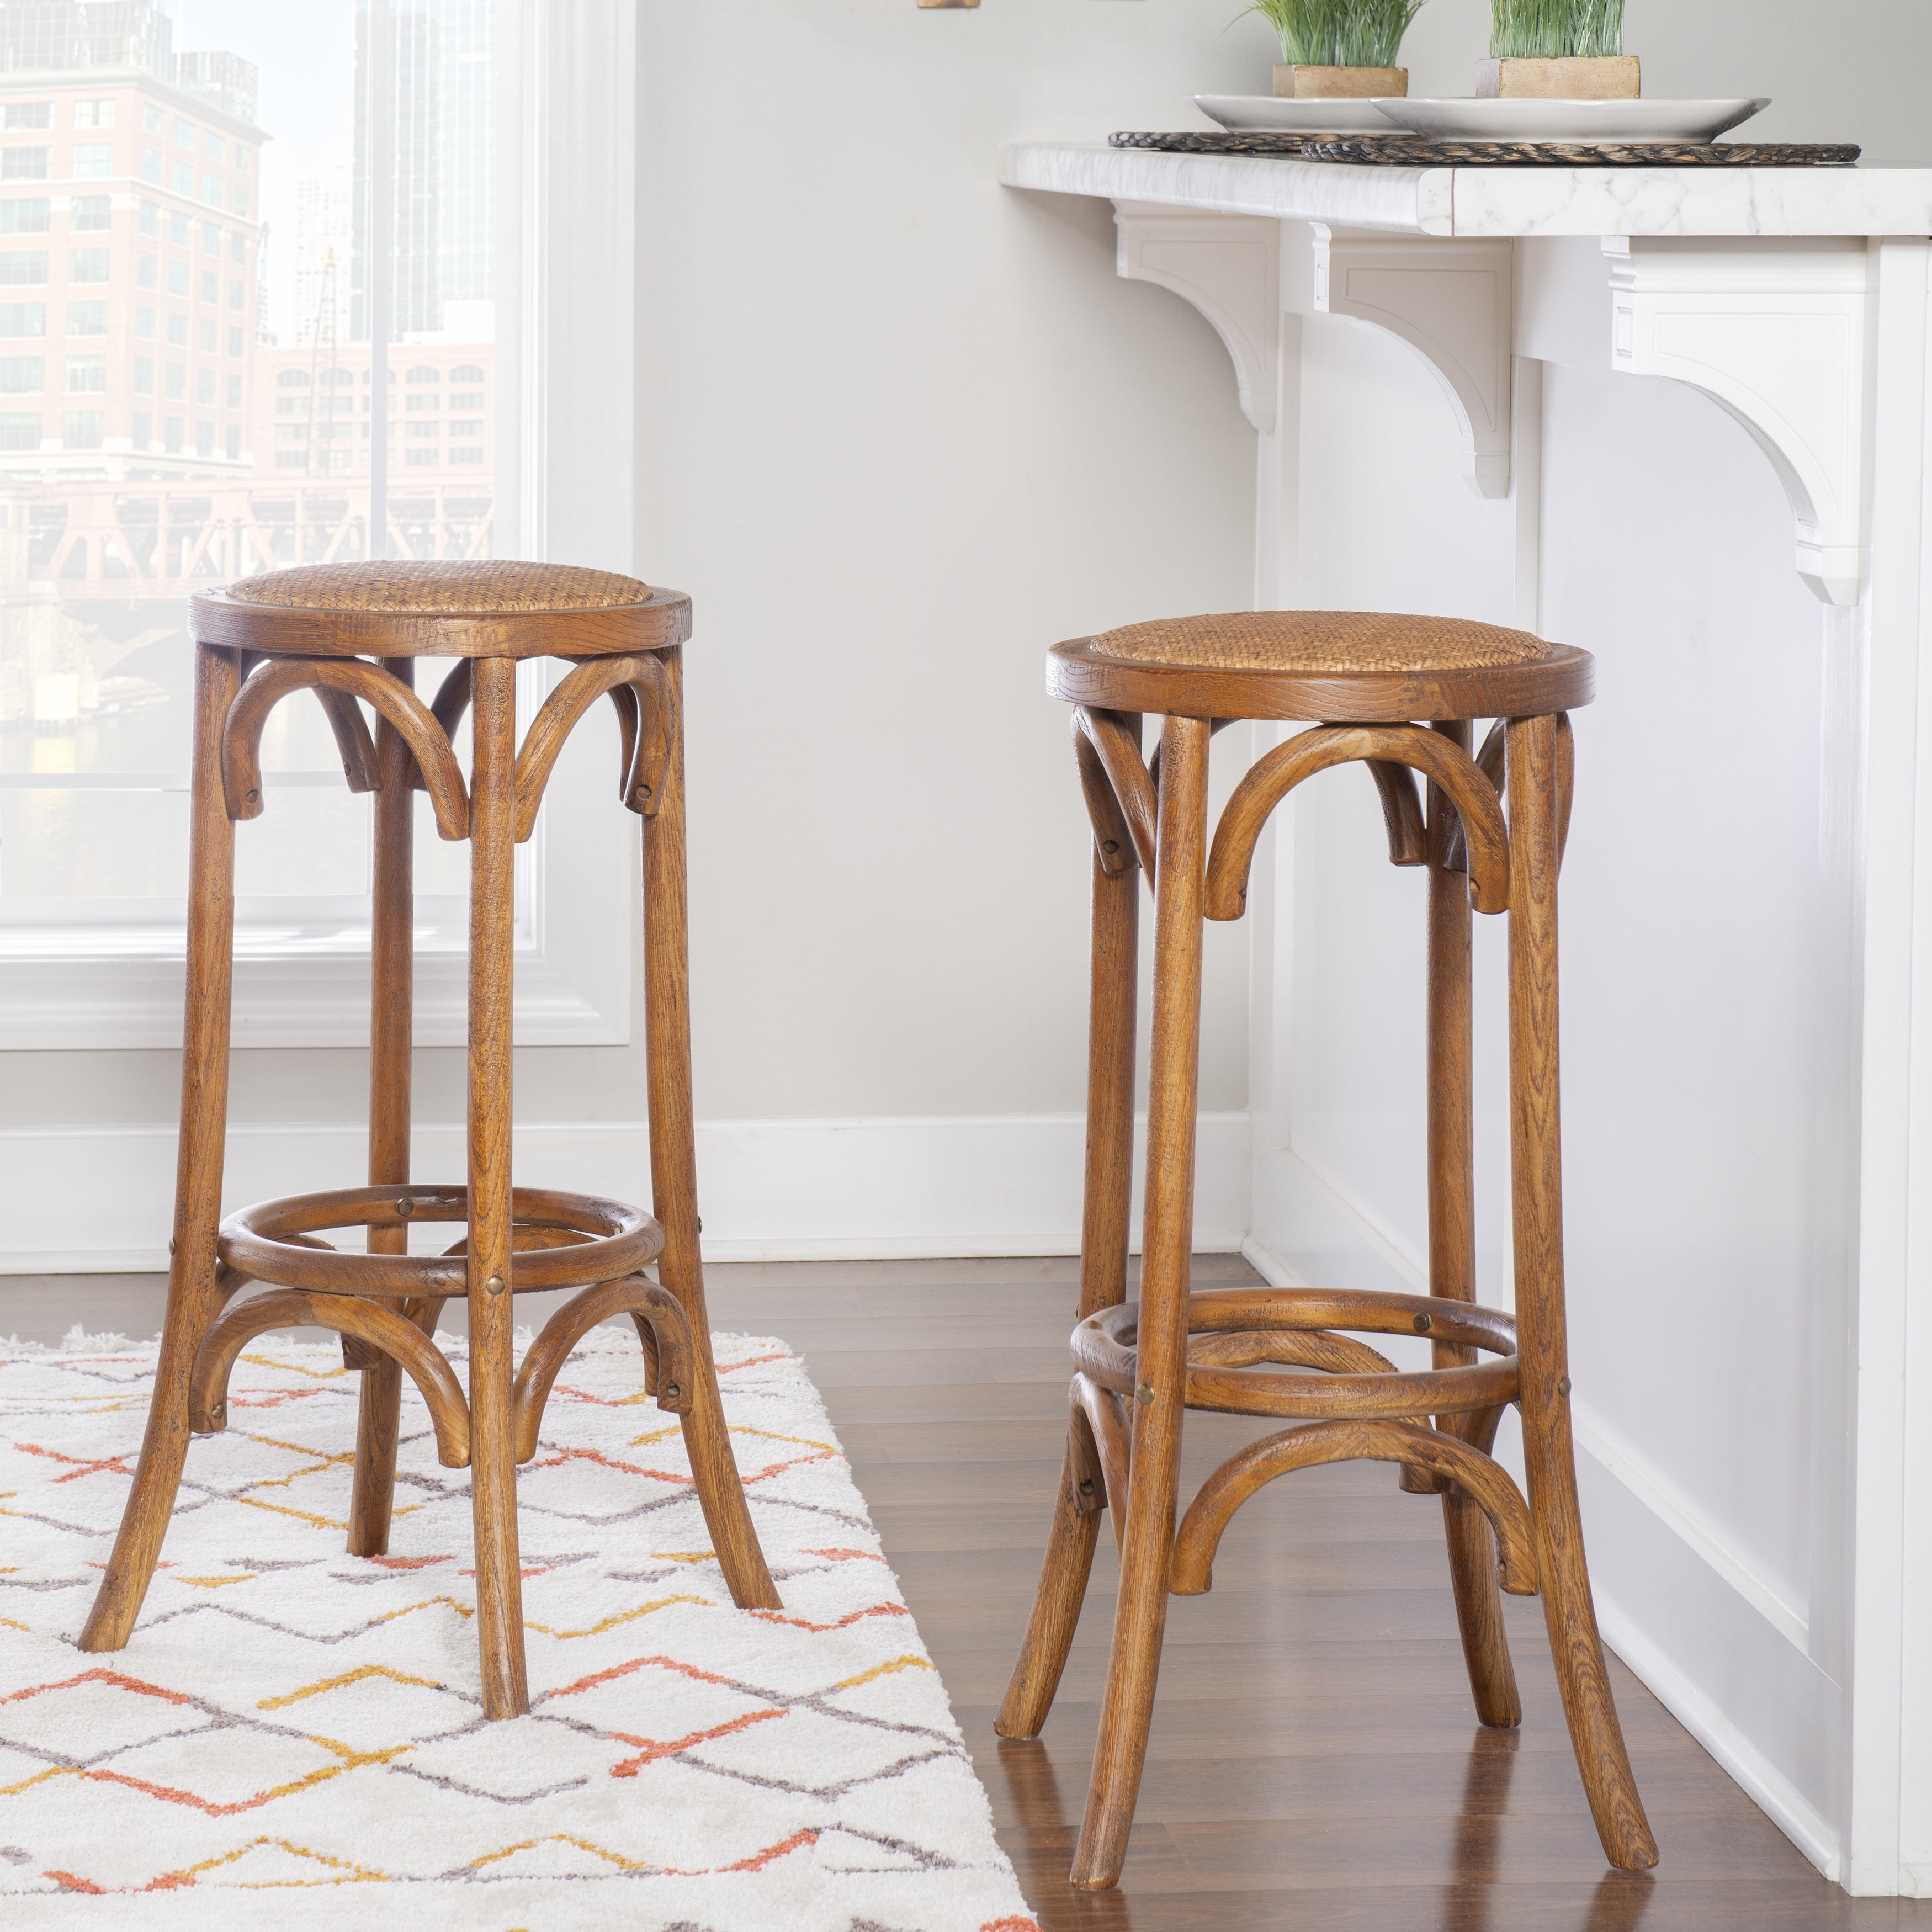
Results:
x,y
1140,1613
1105,1233
192,1300
1536,1164
1452,1243
499,1619
674,1175
391,991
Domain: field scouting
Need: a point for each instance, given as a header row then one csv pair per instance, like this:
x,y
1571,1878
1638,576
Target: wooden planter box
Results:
x,y
1338,83
1607,77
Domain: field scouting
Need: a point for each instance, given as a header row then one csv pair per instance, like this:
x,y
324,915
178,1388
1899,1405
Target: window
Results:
x,y
90,211
86,375
424,429
293,378
25,163
177,382
235,342
150,222
153,120
423,373
23,114
235,392
150,165
245,158
211,286
467,372
204,439
93,161
424,402
292,406
237,295
87,318
465,456
207,338
204,387
291,432
22,375
240,202
210,238
24,267
179,228
20,432
82,429
177,331
144,430
214,146
23,318
184,134
94,113
144,324
173,430
237,249
291,459
466,427
184,177
87,264
210,189
177,278
417,458
144,375
472,401
233,434
25,217
147,271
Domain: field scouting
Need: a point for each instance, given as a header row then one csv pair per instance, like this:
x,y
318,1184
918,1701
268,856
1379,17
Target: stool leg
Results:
x,y
707,1440
1105,1227
1140,1614
391,986
492,1470
192,1300
1452,1247
1536,1186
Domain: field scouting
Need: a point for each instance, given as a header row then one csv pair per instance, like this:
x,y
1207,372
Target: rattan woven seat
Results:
x,y
1320,640
487,588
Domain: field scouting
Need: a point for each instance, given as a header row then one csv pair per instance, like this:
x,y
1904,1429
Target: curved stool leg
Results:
x,y
707,1438
500,1609
1452,1244
1140,1616
193,1301
1537,1185
392,988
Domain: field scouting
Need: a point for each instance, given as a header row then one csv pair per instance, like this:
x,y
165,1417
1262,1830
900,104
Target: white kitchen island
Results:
x,y
1487,393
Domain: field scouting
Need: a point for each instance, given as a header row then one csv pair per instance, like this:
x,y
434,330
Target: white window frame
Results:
x,y
565,237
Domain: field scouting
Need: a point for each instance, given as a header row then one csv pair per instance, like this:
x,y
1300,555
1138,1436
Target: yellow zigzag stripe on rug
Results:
x,y
622,1617
352,1873
908,1662
282,1702
296,1369
616,1858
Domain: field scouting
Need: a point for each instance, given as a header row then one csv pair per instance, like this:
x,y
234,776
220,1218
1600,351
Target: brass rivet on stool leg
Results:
x,y
254,798
1110,846
1144,1393
1563,1386
494,1285
1424,1323
671,1390
644,791
171,1244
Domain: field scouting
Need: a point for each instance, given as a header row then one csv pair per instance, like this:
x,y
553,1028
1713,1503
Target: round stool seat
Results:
x,y
1339,667
493,608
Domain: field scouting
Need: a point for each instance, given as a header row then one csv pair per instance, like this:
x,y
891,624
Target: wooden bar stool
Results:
x,y
319,628
1368,679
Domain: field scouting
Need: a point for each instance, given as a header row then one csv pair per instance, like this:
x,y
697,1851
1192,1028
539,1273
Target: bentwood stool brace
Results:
x,y
351,633
1399,694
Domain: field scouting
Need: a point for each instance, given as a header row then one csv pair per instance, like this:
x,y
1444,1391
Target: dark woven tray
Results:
x,y
1409,151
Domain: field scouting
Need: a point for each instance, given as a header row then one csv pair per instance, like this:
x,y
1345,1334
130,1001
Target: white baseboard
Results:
x,y
99,1200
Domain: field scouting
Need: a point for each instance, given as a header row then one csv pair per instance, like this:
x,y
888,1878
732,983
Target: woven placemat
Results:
x,y
1409,150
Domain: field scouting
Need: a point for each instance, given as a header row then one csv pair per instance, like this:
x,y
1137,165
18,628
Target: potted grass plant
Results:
x,y
1339,49
1558,50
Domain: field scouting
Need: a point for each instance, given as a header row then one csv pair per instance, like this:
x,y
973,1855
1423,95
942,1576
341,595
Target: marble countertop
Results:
x,y
1492,201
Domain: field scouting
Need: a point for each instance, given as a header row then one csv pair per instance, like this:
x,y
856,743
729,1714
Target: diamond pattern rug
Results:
x,y
297,1731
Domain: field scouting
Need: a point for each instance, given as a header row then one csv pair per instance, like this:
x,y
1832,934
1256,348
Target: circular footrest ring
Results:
x,y
561,1241
1230,1329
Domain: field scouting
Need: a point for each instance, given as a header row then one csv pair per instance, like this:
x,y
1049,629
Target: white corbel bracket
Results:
x,y
1453,300
1778,334
1228,266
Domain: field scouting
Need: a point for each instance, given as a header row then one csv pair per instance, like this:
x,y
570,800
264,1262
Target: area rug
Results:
x,y
295,1732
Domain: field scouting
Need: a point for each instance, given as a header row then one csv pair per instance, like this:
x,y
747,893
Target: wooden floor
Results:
x,y
1314,1761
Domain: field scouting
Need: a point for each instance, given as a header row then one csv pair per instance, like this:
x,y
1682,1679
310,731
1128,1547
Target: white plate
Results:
x,y
1261,113
1630,121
